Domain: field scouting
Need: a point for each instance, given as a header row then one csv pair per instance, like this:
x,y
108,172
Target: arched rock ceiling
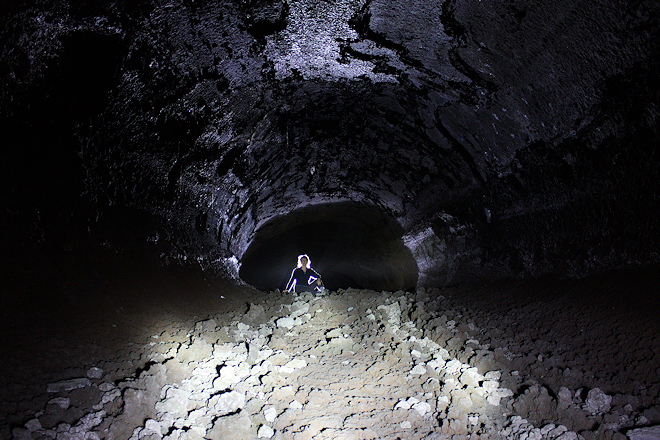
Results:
x,y
490,131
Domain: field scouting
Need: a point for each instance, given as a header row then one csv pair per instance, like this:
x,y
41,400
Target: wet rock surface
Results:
x,y
434,363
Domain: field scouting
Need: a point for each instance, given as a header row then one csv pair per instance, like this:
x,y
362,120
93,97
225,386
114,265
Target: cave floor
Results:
x,y
189,359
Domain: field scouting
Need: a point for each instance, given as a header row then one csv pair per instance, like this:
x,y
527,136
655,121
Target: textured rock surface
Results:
x,y
395,375
463,138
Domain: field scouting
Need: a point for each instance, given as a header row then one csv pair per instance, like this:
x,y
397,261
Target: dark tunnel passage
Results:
x,y
349,244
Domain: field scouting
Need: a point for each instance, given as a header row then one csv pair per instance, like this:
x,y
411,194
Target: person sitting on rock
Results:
x,y
304,278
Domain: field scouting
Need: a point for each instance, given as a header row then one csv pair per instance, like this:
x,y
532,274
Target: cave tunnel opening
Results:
x,y
349,244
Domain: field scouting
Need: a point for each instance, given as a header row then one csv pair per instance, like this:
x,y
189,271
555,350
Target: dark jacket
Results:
x,y
301,281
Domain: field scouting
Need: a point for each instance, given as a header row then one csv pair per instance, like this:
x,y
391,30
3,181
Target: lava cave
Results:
x,y
478,183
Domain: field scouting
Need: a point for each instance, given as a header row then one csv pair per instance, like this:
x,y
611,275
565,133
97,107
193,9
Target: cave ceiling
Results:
x,y
488,131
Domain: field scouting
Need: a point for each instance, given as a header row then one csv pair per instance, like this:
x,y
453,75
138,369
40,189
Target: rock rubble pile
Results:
x,y
353,364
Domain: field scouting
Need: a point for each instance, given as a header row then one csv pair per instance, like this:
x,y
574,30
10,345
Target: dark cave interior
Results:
x,y
160,152
232,153
393,169
350,245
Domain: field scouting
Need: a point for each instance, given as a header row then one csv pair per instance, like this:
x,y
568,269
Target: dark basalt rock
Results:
x,y
424,142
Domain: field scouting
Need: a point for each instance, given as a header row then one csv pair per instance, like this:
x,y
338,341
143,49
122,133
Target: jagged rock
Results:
x,y
227,403
422,408
647,433
270,414
68,385
206,327
265,432
33,425
62,402
287,322
418,370
242,389
597,402
292,365
95,373
199,350
237,426
471,377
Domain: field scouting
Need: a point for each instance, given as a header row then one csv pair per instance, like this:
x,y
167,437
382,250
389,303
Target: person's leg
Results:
x,y
304,288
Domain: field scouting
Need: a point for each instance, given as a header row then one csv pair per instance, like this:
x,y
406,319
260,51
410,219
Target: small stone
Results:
x,y
265,432
406,404
453,366
493,375
405,424
296,363
107,386
68,385
422,408
95,373
295,405
419,370
598,402
33,425
62,402
471,377
649,433
270,414
227,403
153,427
285,322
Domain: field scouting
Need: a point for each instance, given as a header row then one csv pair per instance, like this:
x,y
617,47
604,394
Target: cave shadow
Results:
x,y
349,244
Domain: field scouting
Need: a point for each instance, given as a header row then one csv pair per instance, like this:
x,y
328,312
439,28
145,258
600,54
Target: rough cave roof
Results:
x,y
503,138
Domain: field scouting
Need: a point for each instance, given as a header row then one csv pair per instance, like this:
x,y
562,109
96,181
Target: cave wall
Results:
x,y
505,138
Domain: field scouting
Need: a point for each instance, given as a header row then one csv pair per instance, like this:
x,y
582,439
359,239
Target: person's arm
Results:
x,y
318,280
292,282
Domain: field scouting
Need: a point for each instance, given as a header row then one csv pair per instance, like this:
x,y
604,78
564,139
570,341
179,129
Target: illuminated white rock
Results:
x,y
453,366
422,408
436,364
152,427
265,432
406,404
227,403
176,404
471,377
495,396
226,379
286,322
493,375
270,414
297,363
418,370
490,385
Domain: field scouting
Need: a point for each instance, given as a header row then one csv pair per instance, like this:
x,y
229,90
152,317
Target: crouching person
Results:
x,y
304,278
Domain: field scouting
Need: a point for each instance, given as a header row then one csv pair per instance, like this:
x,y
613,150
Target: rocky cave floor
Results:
x,y
158,358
